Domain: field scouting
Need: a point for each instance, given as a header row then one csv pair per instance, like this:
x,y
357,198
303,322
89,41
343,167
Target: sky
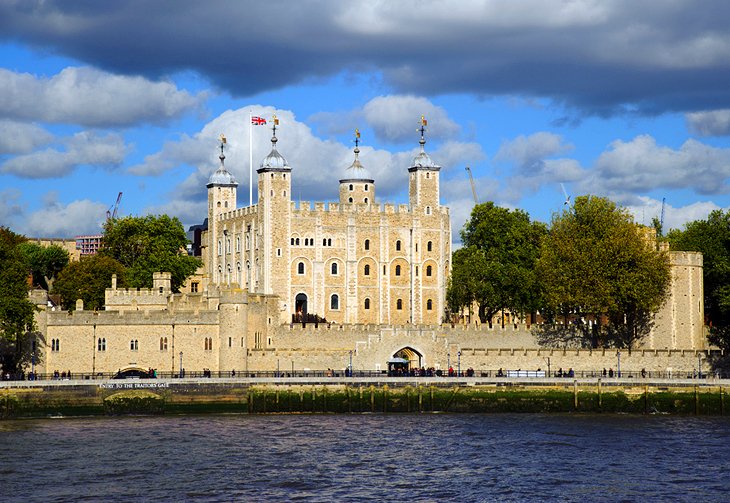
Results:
x,y
541,99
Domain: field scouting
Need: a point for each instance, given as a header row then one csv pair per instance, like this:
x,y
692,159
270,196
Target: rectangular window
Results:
x,y
194,286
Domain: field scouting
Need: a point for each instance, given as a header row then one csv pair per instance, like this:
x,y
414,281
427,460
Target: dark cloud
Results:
x,y
601,57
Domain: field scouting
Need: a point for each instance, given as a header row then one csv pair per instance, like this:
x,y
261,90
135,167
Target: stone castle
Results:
x,y
348,284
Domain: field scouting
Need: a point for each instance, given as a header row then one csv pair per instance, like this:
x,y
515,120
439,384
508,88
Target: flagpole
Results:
x,y
250,159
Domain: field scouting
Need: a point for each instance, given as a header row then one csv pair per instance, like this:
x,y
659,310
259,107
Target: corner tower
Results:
x,y
360,187
221,199
423,182
274,222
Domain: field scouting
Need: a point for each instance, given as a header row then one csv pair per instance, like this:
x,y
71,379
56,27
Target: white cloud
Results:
x,y
58,220
640,165
528,152
20,138
90,97
645,209
395,117
11,211
712,123
84,148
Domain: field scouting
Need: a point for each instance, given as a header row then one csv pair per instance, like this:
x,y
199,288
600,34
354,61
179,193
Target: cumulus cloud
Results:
x,y
84,148
529,152
56,219
601,57
11,210
645,209
91,98
20,138
640,165
393,118
712,123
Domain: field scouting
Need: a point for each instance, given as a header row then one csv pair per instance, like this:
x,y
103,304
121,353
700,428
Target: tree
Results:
x,y
144,245
87,280
45,262
597,264
17,321
495,269
712,238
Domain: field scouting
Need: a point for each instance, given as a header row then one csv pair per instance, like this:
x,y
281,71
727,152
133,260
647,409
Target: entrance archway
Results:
x,y
413,357
300,306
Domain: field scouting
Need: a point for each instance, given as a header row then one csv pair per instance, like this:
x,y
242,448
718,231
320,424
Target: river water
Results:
x,y
428,457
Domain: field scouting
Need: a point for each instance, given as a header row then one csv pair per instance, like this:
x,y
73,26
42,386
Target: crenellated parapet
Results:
x,y
125,317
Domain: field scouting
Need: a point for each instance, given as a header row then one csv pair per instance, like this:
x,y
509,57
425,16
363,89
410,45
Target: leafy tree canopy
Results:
x,y
496,266
16,310
87,280
596,262
45,262
144,245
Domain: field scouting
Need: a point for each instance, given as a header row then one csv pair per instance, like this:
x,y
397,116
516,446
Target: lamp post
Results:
x,y
548,362
277,368
699,365
350,363
182,372
32,366
448,362
618,366
458,363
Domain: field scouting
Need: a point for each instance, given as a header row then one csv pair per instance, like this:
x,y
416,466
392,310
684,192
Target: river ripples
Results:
x,y
428,457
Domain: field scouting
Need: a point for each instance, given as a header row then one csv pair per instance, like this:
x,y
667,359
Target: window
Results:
x,y
416,271
334,268
351,188
55,344
397,245
367,244
366,271
297,241
334,301
397,270
329,241
220,247
324,241
366,200
292,241
429,304
238,244
366,187
399,304
101,344
228,245
429,246
163,343
208,343
428,210
428,175
133,345
278,254
384,271
367,303
349,199
300,268
429,270
194,286
230,342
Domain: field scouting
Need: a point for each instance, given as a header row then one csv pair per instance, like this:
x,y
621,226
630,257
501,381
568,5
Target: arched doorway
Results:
x,y
412,359
300,307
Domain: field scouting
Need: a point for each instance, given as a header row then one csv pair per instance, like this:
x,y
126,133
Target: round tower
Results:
x,y
423,180
359,188
221,199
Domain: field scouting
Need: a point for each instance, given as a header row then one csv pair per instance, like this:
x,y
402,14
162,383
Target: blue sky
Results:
x,y
615,98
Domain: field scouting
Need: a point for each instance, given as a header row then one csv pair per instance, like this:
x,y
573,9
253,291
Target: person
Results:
x,y
451,371
643,372
610,372
500,373
560,372
571,373
233,373
604,371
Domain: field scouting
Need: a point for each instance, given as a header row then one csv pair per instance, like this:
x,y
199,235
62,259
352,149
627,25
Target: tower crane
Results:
x,y
473,189
112,214
661,218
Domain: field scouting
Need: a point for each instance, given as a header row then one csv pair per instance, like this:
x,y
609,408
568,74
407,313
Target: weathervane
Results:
x,y
422,130
223,142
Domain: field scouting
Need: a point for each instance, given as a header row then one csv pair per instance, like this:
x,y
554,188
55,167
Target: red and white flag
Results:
x,y
258,121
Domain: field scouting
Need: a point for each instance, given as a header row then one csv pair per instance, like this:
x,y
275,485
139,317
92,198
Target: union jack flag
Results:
x,y
258,121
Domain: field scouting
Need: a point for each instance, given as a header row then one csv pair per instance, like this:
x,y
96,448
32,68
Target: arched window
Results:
x,y
324,241
329,241
292,241
300,268
220,247
399,304
397,245
366,200
334,301
429,270
297,241
238,244
366,270
349,200
397,270
428,210
429,304
334,268
429,246
351,187
367,303
366,187
367,244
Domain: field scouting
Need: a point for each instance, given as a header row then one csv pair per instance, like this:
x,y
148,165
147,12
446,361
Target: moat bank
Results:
x,y
24,399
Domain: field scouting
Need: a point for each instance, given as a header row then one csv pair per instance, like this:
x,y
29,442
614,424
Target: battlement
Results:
x,y
309,208
129,317
238,212
685,259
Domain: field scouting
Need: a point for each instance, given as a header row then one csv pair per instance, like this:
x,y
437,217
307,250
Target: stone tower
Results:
x,y
423,184
221,199
274,222
360,187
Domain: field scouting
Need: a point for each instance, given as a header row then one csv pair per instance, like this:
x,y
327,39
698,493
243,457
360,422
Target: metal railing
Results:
x,y
345,373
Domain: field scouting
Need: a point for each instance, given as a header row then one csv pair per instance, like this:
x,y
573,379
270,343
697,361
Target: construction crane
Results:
x,y
567,197
112,214
473,189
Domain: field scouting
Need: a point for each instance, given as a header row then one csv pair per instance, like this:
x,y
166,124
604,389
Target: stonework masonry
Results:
x,y
375,273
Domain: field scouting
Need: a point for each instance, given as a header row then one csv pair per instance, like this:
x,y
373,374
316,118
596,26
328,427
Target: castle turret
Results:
x,y
274,221
423,184
221,198
359,187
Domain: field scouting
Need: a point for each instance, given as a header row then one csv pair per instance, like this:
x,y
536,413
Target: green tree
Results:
x,y
17,321
596,263
496,267
87,280
144,245
712,238
45,262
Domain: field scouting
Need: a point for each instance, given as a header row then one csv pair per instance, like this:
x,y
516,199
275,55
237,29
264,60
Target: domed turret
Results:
x,y
221,175
359,187
274,160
